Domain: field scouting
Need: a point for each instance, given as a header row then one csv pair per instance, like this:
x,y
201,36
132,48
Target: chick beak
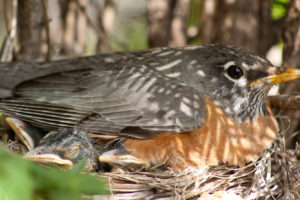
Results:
x,y
116,157
281,75
48,159
28,135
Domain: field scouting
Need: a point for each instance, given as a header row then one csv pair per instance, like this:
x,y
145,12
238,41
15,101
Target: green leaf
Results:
x,y
24,180
131,35
279,9
15,180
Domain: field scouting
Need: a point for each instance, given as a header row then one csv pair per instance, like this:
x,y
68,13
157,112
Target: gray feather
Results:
x,y
105,95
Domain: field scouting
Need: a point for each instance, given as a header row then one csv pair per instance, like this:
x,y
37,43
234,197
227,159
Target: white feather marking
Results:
x,y
201,73
185,109
109,60
242,82
186,100
173,75
193,47
228,64
193,62
169,65
166,53
246,67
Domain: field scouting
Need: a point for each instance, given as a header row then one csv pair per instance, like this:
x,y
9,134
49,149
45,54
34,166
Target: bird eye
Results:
x,y
235,71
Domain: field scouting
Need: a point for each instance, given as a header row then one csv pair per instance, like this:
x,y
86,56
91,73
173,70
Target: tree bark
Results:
x,y
167,22
105,24
73,26
179,23
30,29
291,57
206,25
9,42
245,23
291,35
160,14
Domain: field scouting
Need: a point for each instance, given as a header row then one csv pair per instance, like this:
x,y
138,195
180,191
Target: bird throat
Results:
x,y
219,140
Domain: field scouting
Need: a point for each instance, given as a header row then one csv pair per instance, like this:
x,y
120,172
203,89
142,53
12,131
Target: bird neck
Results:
x,y
245,108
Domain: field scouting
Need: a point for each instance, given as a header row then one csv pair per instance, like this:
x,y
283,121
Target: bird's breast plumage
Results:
x,y
219,140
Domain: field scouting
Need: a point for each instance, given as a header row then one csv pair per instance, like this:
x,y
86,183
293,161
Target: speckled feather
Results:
x,y
136,94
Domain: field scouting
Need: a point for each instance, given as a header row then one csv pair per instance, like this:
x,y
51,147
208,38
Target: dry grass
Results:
x,y
275,176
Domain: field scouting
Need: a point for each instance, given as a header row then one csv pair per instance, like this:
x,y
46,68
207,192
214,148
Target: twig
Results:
x,y
178,23
109,16
159,16
98,27
287,102
10,38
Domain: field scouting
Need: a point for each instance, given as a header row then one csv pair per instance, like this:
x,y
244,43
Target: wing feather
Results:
x,y
117,101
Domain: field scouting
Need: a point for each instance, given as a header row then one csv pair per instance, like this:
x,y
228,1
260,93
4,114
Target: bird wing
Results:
x,y
136,101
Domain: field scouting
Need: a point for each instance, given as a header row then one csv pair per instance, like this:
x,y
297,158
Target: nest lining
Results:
x,y
276,175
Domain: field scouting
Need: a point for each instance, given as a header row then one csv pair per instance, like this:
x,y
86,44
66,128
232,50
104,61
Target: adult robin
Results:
x,y
184,107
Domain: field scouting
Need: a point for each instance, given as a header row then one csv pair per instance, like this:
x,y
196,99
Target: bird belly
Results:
x,y
218,140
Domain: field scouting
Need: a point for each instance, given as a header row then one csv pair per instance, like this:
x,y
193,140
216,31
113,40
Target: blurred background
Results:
x,y
44,30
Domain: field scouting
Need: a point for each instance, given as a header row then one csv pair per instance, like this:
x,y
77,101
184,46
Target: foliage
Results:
x,y
195,13
279,9
23,180
131,35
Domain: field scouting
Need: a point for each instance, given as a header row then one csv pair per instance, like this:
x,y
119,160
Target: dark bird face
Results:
x,y
65,147
238,81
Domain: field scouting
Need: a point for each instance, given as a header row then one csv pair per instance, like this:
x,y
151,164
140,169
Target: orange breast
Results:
x,y
219,140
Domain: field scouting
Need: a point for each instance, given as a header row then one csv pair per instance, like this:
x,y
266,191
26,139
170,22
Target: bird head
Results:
x,y
237,80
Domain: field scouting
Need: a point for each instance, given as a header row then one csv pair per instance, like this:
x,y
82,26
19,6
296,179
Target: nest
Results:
x,y
276,175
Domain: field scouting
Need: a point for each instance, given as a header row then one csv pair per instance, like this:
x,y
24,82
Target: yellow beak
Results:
x,y
285,75
48,159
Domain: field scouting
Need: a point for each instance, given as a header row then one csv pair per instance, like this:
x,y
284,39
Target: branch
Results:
x,y
160,15
7,48
48,38
179,23
286,102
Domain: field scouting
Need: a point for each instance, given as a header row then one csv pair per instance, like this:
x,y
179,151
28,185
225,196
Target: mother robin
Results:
x,y
184,107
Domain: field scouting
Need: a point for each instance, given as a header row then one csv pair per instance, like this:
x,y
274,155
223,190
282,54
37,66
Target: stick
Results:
x,y
287,102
